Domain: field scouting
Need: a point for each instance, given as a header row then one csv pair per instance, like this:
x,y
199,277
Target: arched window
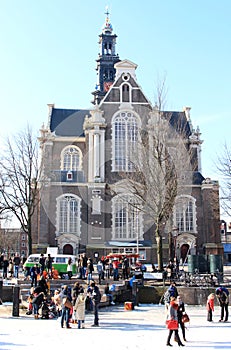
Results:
x,y
125,137
71,158
185,214
126,218
68,214
125,93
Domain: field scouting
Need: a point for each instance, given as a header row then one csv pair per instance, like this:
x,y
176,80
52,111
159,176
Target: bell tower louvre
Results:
x,y
106,60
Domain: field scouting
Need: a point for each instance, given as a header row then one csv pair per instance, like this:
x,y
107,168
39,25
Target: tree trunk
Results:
x,y
29,237
159,250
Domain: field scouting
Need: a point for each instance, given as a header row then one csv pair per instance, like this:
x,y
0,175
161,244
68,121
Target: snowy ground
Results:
x,y
140,329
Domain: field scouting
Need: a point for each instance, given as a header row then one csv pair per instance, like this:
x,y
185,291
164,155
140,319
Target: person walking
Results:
x,y
90,269
42,261
96,296
69,268
11,267
5,265
34,271
16,261
84,265
100,271
180,313
79,308
222,295
210,307
65,316
172,315
48,264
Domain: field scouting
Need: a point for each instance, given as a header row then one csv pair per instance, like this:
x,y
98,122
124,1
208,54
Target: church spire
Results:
x,y
106,59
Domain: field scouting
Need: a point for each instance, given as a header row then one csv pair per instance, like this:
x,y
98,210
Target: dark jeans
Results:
x,y
35,309
225,311
96,313
65,316
182,326
210,315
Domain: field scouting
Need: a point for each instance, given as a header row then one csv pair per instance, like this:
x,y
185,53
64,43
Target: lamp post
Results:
x,y
175,232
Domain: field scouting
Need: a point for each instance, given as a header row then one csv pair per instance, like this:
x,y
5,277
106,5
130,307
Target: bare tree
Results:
x,y
19,175
224,168
161,169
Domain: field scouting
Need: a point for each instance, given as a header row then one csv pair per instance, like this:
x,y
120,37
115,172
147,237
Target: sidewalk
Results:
x,y
141,329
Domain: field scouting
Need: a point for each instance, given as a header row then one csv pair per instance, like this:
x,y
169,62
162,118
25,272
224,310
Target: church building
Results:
x,y
82,153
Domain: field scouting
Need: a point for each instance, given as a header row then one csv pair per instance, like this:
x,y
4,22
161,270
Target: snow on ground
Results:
x,y
140,329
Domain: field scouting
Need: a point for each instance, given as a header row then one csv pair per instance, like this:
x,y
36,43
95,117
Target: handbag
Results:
x,y
185,318
67,303
172,324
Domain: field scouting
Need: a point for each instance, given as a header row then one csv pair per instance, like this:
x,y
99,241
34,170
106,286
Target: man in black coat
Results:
x,y
96,297
222,295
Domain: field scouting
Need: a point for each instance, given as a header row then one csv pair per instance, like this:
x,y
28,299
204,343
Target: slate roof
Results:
x,y
68,122
179,122
197,178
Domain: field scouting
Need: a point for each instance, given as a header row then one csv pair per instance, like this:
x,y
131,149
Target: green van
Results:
x,y
59,263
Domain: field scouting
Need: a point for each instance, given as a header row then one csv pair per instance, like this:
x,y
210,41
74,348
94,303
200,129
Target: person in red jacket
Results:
x,y
210,307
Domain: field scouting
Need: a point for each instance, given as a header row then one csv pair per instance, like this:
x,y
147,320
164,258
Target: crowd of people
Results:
x,y
70,303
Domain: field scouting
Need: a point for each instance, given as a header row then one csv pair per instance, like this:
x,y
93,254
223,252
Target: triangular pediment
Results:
x,y
124,67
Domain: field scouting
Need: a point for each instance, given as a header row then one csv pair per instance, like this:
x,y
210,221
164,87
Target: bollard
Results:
x,y
135,293
15,310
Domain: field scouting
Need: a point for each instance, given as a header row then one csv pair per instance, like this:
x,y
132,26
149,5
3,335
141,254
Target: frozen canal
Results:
x,y
140,329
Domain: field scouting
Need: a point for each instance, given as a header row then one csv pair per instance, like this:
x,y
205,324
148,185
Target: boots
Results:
x,y
180,344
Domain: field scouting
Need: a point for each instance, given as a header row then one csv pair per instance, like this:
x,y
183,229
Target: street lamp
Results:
x,y
175,233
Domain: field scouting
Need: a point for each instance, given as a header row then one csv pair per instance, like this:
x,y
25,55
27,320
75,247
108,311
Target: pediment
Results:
x,y
125,67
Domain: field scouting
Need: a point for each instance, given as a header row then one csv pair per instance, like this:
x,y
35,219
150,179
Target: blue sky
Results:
x,y
49,48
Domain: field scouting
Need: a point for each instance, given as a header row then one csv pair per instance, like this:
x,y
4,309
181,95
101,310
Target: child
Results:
x,y
210,307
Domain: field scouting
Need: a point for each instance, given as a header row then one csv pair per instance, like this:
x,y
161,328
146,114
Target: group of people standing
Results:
x,y
70,302
106,268
73,304
10,266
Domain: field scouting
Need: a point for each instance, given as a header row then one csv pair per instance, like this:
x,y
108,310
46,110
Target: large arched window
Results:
x,y
126,218
71,158
125,137
185,214
68,214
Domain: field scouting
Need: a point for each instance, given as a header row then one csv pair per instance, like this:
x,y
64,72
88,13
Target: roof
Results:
x,y
67,122
197,178
178,121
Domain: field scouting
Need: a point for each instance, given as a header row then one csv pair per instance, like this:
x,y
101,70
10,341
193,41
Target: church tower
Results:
x,y
106,60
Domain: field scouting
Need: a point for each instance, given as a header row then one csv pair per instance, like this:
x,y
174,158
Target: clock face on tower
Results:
x,y
107,85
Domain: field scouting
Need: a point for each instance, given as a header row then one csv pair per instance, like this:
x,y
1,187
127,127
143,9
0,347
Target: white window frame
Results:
x,y
69,161
127,220
125,134
184,214
66,221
